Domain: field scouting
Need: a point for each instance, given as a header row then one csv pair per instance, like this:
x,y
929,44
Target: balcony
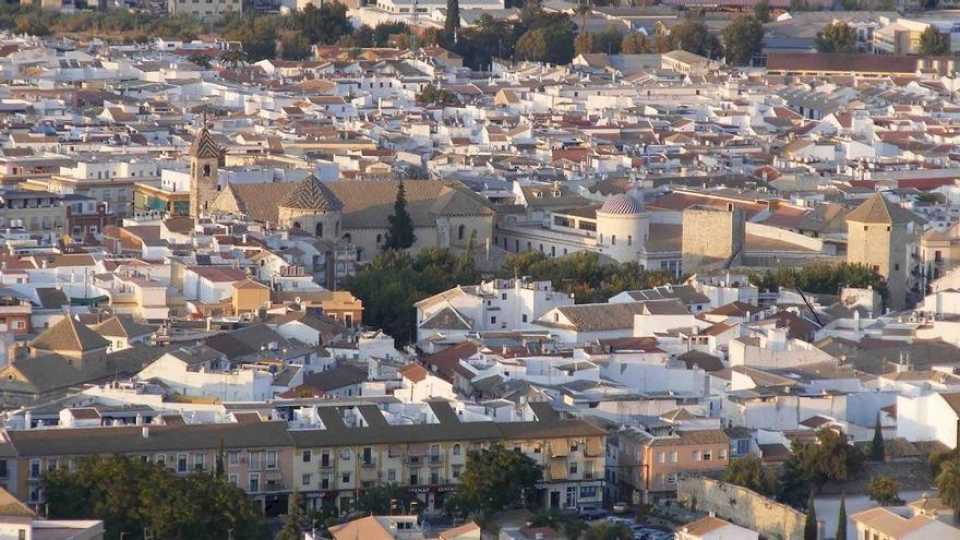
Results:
x,y
413,460
368,463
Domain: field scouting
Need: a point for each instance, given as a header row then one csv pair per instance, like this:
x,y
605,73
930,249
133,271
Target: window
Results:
x,y
255,461
613,239
456,470
461,230
182,463
524,317
674,456
722,455
662,457
707,455
318,230
493,320
456,449
434,476
306,456
588,492
629,239
391,475
254,482
198,461
345,478
573,467
34,468
305,480
345,454
161,459
206,170
696,455
235,480
272,459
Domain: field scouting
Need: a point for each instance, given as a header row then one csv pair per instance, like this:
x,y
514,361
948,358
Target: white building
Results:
x,y
202,373
931,417
500,304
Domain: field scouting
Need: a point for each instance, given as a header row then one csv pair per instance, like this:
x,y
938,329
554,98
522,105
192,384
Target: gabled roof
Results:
x,y
69,335
123,326
10,506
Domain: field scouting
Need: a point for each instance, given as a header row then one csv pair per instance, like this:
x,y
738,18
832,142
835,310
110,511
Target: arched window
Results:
x,y
460,231
296,225
347,238
456,449
319,229
206,169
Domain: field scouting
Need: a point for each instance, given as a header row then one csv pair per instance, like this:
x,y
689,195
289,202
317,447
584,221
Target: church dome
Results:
x,y
622,205
312,194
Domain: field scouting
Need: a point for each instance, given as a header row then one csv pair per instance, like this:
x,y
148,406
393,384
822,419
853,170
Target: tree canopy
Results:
x,y
934,43
838,37
129,495
583,275
496,478
750,472
884,490
400,234
692,35
820,278
394,281
948,484
742,40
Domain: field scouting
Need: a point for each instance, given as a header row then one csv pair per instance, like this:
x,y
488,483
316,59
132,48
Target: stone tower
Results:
x,y
205,157
881,236
712,237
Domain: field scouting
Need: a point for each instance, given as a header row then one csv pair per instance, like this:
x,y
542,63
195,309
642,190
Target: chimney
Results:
x,y
145,431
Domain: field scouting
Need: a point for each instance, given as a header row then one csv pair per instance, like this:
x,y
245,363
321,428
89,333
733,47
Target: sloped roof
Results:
x,y
204,146
123,326
10,506
312,194
877,209
70,336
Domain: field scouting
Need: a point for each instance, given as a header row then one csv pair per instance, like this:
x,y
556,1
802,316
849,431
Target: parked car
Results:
x,y
620,508
592,513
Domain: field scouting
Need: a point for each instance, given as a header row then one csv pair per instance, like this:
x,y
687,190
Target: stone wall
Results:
x,y
741,506
711,237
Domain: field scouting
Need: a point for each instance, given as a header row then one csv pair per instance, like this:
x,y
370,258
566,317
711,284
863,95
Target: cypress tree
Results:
x,y
877,450
810,525
842,519
400,234
452,23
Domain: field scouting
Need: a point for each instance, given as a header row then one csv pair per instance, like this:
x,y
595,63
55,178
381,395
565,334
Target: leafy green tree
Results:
x,y
496,478
129,494
634,43
934,42
293,522
433,95
385,499
400,234
550,44
383,31
877,450
830,459
810,524
582,274
394,281
294,46
842,519
326,24
761,11
820,278
793,488
200,60
609,41
749,472
948,485
742,40
692,35
884,490
609,531
938,457
452,22
838,37
584,43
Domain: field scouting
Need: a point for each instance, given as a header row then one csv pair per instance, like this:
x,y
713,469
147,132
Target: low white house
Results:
x,y
712,528
201,372
930,417
417,384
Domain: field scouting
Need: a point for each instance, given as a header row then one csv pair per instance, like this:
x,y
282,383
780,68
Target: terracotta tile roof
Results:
x,y
69,335
312,194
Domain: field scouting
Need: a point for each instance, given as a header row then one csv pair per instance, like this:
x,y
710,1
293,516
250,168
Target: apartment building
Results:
x,y
34,211
207,10
650,465
331,461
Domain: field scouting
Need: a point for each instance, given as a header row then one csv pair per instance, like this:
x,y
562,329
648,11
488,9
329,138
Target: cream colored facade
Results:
x,y
207,10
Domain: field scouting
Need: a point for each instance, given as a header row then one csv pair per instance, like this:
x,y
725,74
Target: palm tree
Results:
x,y
948,484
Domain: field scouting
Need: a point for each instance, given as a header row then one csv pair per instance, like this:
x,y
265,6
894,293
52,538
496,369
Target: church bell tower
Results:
x,y
205,157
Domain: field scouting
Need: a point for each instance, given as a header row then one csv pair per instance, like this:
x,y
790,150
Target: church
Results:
x,y
354,212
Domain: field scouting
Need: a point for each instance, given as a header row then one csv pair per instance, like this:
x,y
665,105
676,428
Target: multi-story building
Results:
x,y
207,10
34,211
353,446
649,465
